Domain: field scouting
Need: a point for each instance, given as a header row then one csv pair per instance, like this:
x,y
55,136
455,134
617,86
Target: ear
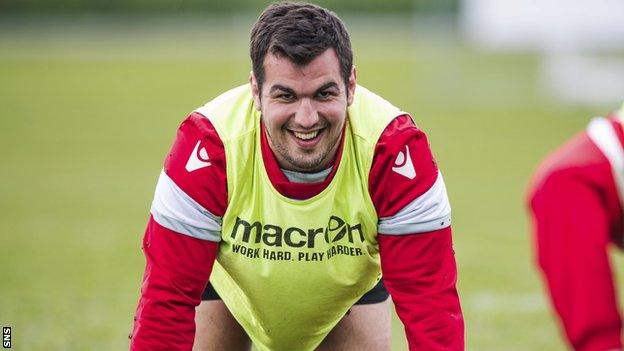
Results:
x,y
255,90
351,86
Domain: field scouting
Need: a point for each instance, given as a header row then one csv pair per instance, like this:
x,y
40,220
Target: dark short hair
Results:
x,y
299,31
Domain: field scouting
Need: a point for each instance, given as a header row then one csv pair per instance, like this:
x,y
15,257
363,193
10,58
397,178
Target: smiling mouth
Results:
x,y
306,136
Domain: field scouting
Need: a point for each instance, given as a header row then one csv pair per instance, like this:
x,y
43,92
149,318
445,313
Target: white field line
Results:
x,y
519,303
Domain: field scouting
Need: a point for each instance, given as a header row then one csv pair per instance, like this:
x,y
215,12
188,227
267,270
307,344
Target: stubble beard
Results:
x,y
302,163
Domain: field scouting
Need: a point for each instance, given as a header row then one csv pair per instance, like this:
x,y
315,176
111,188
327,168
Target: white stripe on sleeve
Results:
x,y
430,211
602,134
174,209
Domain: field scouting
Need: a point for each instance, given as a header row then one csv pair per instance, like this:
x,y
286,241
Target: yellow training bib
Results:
x,y
287,269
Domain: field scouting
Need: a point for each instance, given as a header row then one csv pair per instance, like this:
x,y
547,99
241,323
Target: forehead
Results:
x,y
322,69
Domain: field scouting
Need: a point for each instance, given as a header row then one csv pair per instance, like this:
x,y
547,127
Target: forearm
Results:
x,y
420,273
177,269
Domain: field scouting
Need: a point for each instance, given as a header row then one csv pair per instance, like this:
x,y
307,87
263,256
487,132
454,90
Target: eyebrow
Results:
x,y
327,86
282,88
279,87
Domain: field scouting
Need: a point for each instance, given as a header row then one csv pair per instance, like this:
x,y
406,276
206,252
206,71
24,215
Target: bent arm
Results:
x,y
571,230
182,238
415,245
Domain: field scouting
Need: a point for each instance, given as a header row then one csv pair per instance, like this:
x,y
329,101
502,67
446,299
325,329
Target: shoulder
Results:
x,y
577,160
404,173
191,194
403,156
196,163
232,113
197,133
370,114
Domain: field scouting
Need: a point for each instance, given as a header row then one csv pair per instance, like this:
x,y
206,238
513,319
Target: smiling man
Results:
x,y
292,195
304,109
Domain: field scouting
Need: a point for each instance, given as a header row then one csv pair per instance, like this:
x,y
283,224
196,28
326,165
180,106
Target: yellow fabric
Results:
x,y
287,269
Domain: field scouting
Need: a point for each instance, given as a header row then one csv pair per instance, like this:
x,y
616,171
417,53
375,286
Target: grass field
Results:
x,y
89,107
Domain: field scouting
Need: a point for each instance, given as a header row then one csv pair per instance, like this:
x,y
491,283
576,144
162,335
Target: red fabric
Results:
x,y
419,269
177,270
390,190
208,185
420,273
576,212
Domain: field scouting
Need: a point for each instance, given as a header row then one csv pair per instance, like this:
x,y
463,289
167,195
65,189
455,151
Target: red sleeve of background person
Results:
x,y
208,185
419,269
576,213
178,266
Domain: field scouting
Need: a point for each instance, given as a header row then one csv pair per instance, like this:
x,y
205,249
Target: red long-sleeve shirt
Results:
x,y
419,269
576,214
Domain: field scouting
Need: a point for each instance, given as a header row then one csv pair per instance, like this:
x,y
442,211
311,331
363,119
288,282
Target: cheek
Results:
x,y
335,114
274,117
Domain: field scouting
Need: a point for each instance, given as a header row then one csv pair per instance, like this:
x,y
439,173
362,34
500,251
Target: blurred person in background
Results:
x,y
292,193
575,202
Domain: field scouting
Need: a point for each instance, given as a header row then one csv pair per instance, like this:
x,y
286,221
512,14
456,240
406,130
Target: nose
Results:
x,y
306,115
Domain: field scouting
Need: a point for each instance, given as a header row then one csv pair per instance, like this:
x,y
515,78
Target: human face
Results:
x,y
304,109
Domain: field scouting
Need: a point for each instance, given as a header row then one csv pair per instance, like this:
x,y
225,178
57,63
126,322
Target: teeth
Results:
x,y
306,136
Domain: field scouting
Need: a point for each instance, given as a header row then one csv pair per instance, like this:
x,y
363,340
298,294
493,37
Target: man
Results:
x,y
575,200
298,183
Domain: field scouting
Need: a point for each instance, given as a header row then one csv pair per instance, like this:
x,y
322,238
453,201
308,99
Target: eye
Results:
x,y
286,97
324,94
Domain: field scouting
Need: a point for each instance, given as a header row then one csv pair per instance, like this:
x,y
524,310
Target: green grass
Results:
x,y
88,111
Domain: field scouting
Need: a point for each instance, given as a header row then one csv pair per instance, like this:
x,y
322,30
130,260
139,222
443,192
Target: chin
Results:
x,y
307,164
